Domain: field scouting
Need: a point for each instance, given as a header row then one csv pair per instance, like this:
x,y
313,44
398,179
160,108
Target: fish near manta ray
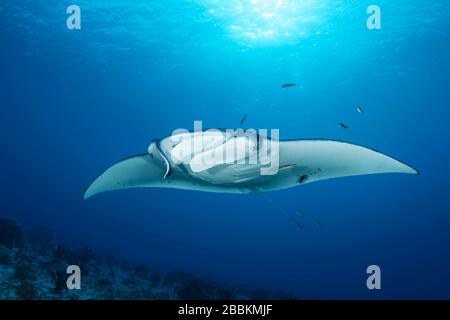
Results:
x,y
173,162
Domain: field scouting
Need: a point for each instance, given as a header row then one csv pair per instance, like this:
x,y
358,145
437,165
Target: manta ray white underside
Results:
x,y
173,163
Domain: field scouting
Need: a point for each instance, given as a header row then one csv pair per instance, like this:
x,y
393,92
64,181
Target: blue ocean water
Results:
x,y
73,102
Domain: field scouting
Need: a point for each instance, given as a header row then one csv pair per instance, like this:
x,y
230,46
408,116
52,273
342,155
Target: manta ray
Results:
x,y
196,161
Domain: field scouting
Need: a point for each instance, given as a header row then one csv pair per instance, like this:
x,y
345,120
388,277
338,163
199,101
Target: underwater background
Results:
x,y
73,102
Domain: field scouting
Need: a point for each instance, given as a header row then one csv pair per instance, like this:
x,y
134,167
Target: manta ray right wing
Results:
x,y
327,159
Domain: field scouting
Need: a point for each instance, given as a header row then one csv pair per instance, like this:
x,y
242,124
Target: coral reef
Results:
x,y
36,269
41,236
10,233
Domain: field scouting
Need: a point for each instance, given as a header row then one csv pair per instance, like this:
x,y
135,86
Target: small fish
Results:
x,y
317,223
359,109
296,222
288,85
299,212
342,125
243,119
287,166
